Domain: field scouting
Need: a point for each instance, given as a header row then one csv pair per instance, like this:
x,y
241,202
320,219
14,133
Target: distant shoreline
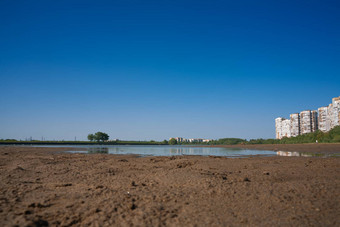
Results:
x,y
306,147
80,143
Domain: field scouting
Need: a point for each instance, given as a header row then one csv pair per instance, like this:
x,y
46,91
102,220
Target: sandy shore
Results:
x,y
43,187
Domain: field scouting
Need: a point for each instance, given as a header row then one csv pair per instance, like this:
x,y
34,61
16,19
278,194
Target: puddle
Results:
x,y
158,150
168,150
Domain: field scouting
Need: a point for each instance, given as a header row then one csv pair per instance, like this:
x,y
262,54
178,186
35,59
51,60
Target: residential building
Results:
x,y
324,119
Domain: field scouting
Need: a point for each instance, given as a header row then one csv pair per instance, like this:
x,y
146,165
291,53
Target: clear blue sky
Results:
x,y
142,70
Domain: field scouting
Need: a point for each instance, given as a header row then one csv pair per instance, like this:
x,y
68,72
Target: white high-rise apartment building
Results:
x,y
309,121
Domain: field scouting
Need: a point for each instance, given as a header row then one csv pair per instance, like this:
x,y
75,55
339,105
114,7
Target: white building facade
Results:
x,y
324,119
180,140
295,124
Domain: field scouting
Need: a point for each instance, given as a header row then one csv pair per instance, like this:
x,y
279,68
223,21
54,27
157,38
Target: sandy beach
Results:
x,y
46,187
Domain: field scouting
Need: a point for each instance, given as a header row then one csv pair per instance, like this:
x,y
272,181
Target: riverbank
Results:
x,y
325,148
72,143
43,186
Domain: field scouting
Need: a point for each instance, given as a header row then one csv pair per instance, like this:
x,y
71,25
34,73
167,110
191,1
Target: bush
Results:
x,y
172,141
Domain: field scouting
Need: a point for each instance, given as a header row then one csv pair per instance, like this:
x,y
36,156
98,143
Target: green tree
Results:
x,y
90,137
165,142
172,141
101,136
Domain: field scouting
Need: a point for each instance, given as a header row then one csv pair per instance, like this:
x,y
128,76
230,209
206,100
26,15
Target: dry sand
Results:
x,y
44,187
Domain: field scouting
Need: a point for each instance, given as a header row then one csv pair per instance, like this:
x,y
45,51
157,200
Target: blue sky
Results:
x,y
142,70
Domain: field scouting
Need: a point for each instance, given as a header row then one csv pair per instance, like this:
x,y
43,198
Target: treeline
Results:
x,y
120,142
333,136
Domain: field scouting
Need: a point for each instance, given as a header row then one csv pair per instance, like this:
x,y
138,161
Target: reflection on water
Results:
x,y
154,150
170,150
304,154
98,150
197,150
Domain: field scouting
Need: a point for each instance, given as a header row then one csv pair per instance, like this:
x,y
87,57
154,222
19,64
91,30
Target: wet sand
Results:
x,y
45,187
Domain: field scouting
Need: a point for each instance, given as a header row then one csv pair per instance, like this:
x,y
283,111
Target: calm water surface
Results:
x,y
166,150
